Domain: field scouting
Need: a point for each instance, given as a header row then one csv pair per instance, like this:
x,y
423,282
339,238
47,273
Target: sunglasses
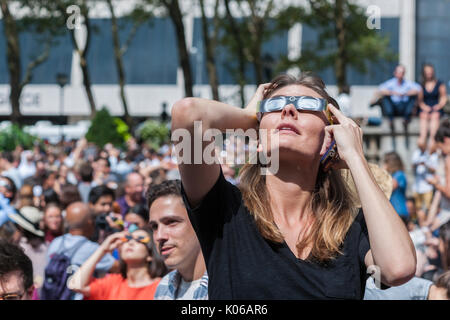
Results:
x,y
141,239
6,185
305,103
11,296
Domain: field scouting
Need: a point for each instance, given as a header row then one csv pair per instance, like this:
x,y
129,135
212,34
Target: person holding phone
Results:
x,y
299,226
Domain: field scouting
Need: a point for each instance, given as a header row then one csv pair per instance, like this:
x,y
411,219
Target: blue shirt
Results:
x,y
402,88
5,209
398,197
168,288
414,289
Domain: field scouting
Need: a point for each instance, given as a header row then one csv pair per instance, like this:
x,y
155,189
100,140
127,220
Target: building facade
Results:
x,y
417,29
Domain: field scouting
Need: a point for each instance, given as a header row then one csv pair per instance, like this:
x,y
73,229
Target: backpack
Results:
x,y
57,274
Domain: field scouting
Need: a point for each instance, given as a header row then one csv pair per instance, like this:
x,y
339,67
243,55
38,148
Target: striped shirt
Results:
x,y
173,287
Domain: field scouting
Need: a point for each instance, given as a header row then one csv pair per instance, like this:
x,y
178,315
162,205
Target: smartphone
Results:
x,y
330,156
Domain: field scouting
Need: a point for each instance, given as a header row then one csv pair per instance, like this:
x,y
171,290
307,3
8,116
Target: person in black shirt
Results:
x,y
295,232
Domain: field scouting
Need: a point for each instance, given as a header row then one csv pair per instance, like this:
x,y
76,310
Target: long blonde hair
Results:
x,y
332,202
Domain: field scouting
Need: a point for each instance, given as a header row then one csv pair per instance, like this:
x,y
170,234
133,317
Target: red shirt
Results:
x,y
49,236
115,287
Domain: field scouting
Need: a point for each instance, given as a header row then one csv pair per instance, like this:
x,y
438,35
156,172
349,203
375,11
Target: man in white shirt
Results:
x,y
399,98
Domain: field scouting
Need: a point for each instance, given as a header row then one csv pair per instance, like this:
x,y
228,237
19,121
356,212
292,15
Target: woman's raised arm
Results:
x,y
391,248
80,281
195,118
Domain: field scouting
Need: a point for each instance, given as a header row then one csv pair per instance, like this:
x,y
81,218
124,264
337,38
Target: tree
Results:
x,y
210,43
344,38
63,17
61,6
12,29
175,14
245,35
104,129
138,16
257,27
232,28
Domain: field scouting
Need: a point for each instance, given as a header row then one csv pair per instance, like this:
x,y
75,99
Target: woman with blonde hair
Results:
x,y
298,226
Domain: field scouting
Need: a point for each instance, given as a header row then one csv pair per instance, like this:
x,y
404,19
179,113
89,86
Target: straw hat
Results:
x,y
28,218
382,177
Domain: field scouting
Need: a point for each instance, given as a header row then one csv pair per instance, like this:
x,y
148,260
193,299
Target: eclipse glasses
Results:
x,y
140,239
305,103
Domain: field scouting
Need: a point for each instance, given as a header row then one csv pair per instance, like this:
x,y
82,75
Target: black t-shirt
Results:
x,y
241,264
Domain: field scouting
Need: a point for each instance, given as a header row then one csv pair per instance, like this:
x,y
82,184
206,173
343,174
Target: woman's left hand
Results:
x,y
112,242
348,137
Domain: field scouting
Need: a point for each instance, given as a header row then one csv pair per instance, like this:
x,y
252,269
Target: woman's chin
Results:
x,y
292,153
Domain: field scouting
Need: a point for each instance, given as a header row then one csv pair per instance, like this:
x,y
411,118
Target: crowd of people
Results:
x,y
423,203
399,97
82,222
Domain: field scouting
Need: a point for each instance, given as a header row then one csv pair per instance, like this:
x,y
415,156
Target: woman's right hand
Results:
x,y
112,242
251,107
426,108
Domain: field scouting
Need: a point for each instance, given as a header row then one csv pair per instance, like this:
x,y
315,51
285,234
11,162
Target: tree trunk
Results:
x,y
82,53
209,50
341,59
13,58
256,56
240,52
87,85
183,55
119,64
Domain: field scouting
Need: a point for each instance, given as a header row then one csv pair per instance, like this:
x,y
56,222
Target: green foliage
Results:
x,y
254,30
122,129
13,135
362,45
154,133
107,129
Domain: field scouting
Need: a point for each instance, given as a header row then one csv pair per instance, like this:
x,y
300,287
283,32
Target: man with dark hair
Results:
x,y
398,99
101,200
178,245
16,273
134,187
86,175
